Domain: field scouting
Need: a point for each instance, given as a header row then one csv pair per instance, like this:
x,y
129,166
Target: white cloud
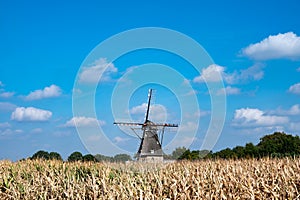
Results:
x,y
118,140
30,114
7,94
47,92
3,93
254,72
249,117
61,133
200,113
294,110
188,127
286,45
99,68
229,91
191,93
83,122
4,125
213,73
6,106
19,131
37,130
298,69
6,132
158,113
93,138
294,126
295,89
186,82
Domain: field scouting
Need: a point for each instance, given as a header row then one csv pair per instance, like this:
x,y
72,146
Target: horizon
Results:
x,y
52,99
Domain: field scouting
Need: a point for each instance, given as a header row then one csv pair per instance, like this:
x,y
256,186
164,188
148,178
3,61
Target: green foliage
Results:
x,y
75,156
251,151
278,144
46,156
178,152
190,155
89,158
55,156
103,158
41,155
121,158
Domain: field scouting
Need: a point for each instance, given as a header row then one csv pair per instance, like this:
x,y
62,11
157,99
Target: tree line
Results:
x,y
77,156
278,144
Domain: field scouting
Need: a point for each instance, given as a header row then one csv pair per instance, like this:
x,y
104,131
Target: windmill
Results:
x,y
150,149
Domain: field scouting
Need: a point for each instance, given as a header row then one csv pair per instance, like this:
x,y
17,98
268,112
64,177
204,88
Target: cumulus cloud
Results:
x,y
251,117
229,91
295,89
3,93
84,122
294,110
158,113
47,92
254,72
30,114
286,45
6,94
215,73
100,67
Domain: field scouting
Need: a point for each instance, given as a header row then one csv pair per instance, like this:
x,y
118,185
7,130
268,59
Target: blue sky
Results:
x,y
255,47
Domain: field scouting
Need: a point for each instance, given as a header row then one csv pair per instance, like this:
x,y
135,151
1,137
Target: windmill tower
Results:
x,y
150,149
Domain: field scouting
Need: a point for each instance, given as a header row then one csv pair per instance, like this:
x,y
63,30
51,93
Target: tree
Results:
x,y
75,156
239,151
190,155
280,144
205,154
41,155
101,158
55,156
251,151
225,153
121,158
89,158
178,152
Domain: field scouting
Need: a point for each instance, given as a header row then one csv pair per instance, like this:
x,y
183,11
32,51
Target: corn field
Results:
x,y
206,179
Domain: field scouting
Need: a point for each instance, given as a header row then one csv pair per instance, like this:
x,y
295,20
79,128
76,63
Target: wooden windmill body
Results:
x,y
150,149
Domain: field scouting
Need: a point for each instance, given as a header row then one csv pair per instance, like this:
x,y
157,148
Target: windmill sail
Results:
x,y
150,149
148,107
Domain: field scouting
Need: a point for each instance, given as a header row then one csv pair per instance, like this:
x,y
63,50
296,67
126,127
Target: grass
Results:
x,y
207,179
